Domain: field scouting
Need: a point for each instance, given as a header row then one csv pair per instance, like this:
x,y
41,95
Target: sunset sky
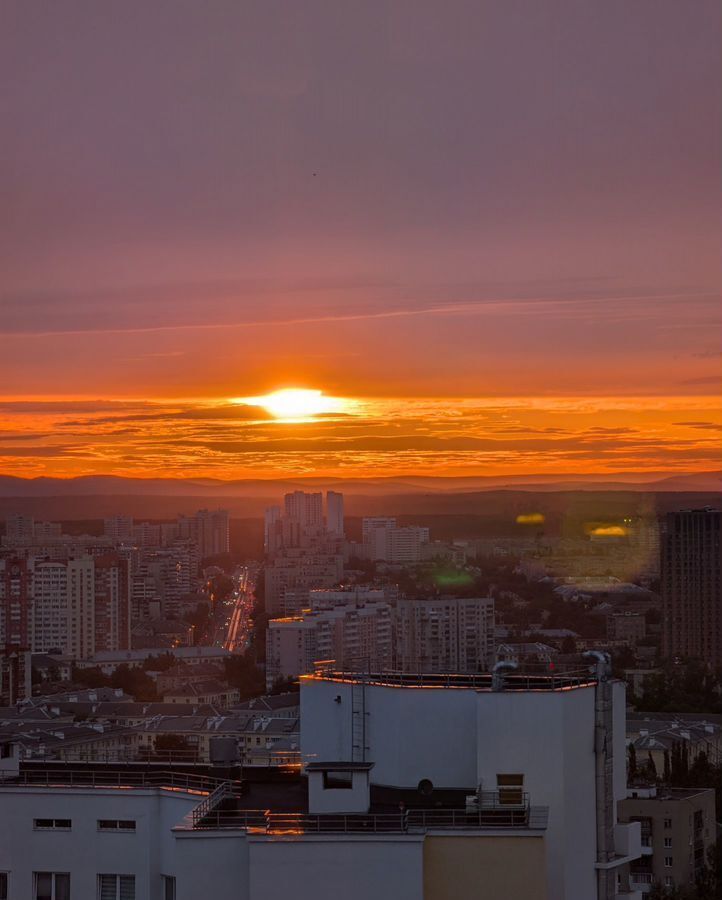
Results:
x,y
491,230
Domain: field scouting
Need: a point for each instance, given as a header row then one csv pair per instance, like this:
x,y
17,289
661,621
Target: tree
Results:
x,y
631,762
284,685
91,677
174,746
134,681
243,673
650,767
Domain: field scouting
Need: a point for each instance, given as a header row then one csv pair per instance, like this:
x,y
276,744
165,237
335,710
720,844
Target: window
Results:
x,y
668,881
116,825
668,862
52,824
51,885
510,788
116,887
168,887
668,843
3,886
667,823
337,781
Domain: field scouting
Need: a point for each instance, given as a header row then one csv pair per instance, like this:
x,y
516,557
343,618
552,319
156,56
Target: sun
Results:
x,y
297,404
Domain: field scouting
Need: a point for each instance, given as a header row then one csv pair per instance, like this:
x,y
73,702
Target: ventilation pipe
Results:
x,y
604,774
497,673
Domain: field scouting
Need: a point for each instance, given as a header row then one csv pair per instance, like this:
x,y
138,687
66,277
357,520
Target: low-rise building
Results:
x,y
109,661
677,827
208,691
655,734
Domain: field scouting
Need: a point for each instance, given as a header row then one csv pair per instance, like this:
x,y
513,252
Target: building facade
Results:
x,y
692,586
445,634
677,829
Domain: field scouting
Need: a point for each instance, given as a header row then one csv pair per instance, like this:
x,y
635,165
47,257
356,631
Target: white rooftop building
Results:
x,y
428,788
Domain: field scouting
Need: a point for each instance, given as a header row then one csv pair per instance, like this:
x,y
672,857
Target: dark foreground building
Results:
x,y
691,593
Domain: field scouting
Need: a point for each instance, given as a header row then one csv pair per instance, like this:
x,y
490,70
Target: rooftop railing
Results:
x,y
410,821
252,756
547,680
84,778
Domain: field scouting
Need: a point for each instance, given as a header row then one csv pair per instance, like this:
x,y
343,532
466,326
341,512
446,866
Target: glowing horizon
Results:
x,y
231,438
383,241
293,404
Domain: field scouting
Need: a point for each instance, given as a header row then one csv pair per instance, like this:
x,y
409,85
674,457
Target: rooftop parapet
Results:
x,y
548,681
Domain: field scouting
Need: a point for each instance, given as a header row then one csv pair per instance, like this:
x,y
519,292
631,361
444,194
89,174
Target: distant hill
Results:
x,y
94,497
109,485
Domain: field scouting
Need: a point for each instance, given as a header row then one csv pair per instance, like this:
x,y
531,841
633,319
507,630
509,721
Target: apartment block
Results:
x,y
677,829
355,636
392,544
73,607
299,570
445,634
691,585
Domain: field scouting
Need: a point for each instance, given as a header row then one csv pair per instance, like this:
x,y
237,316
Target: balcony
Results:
x,y
641,881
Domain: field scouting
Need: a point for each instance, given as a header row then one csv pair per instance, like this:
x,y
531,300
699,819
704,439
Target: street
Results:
x,y
233,628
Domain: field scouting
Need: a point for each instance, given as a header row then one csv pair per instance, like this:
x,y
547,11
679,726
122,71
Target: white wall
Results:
x,y
353,799
460,738
549,738
412,734
84,851
212,866
330,867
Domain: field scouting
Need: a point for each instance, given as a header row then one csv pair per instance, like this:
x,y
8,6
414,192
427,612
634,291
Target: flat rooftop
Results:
x,y
276,803
665,794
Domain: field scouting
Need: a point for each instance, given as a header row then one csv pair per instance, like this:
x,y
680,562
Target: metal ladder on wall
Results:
x,y
358,722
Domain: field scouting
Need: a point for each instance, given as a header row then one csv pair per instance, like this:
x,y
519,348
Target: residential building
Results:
x,y
445,634
626,627
209,691
16,585
296,569
304,509
213,532
334,514
369,523
15,675
550,741
119,528
400,546
50,611
272,529
691,585
356,637
327,598
655,734
19,529
111,603
455,790
677,829
109,660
